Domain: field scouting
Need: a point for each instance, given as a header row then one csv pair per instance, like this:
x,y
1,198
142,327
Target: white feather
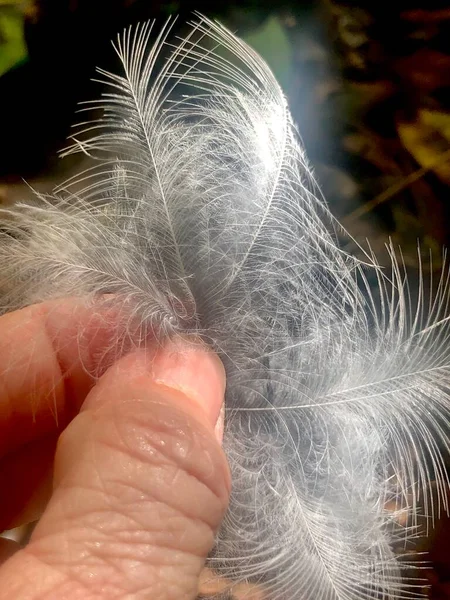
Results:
x,y
202,217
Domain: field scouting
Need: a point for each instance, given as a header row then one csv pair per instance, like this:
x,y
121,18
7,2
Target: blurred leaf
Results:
x,y
372,148
440,121
422,16
270,40
428,141
426,70
12,44
360,96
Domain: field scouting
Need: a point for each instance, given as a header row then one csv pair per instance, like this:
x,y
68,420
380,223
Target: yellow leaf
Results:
x,y
428,141
437,120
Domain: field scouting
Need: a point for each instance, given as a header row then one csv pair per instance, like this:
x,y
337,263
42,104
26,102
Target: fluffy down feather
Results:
x,y
201,217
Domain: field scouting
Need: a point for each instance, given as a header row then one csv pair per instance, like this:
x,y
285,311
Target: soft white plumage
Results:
x,y
202,218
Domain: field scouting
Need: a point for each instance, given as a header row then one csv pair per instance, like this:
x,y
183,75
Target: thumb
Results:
x,y
141,486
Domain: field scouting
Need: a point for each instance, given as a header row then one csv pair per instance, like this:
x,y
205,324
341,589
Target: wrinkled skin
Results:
x,y
138,484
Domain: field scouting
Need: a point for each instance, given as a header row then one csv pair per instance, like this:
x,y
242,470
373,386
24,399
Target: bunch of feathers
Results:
x,y
201,217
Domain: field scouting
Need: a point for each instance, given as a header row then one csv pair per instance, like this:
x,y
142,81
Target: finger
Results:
x,y
48,353
141,486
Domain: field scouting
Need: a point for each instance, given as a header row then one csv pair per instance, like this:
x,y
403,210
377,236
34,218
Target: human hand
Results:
x,y
138,485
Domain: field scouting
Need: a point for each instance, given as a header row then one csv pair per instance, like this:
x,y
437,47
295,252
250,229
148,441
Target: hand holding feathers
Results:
x,y
202,218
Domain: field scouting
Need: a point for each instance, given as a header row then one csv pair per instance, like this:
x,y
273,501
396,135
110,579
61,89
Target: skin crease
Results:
x,y
126,470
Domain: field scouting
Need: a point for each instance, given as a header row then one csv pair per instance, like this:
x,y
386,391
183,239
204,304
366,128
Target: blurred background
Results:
x,y
368,84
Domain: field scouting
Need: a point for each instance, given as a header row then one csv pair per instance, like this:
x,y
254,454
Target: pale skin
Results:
x,y
126,472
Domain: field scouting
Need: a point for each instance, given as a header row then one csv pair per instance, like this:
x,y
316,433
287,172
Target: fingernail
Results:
x,y
220,424
196,372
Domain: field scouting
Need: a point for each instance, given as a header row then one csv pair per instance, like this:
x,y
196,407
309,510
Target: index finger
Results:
x,y
49,356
